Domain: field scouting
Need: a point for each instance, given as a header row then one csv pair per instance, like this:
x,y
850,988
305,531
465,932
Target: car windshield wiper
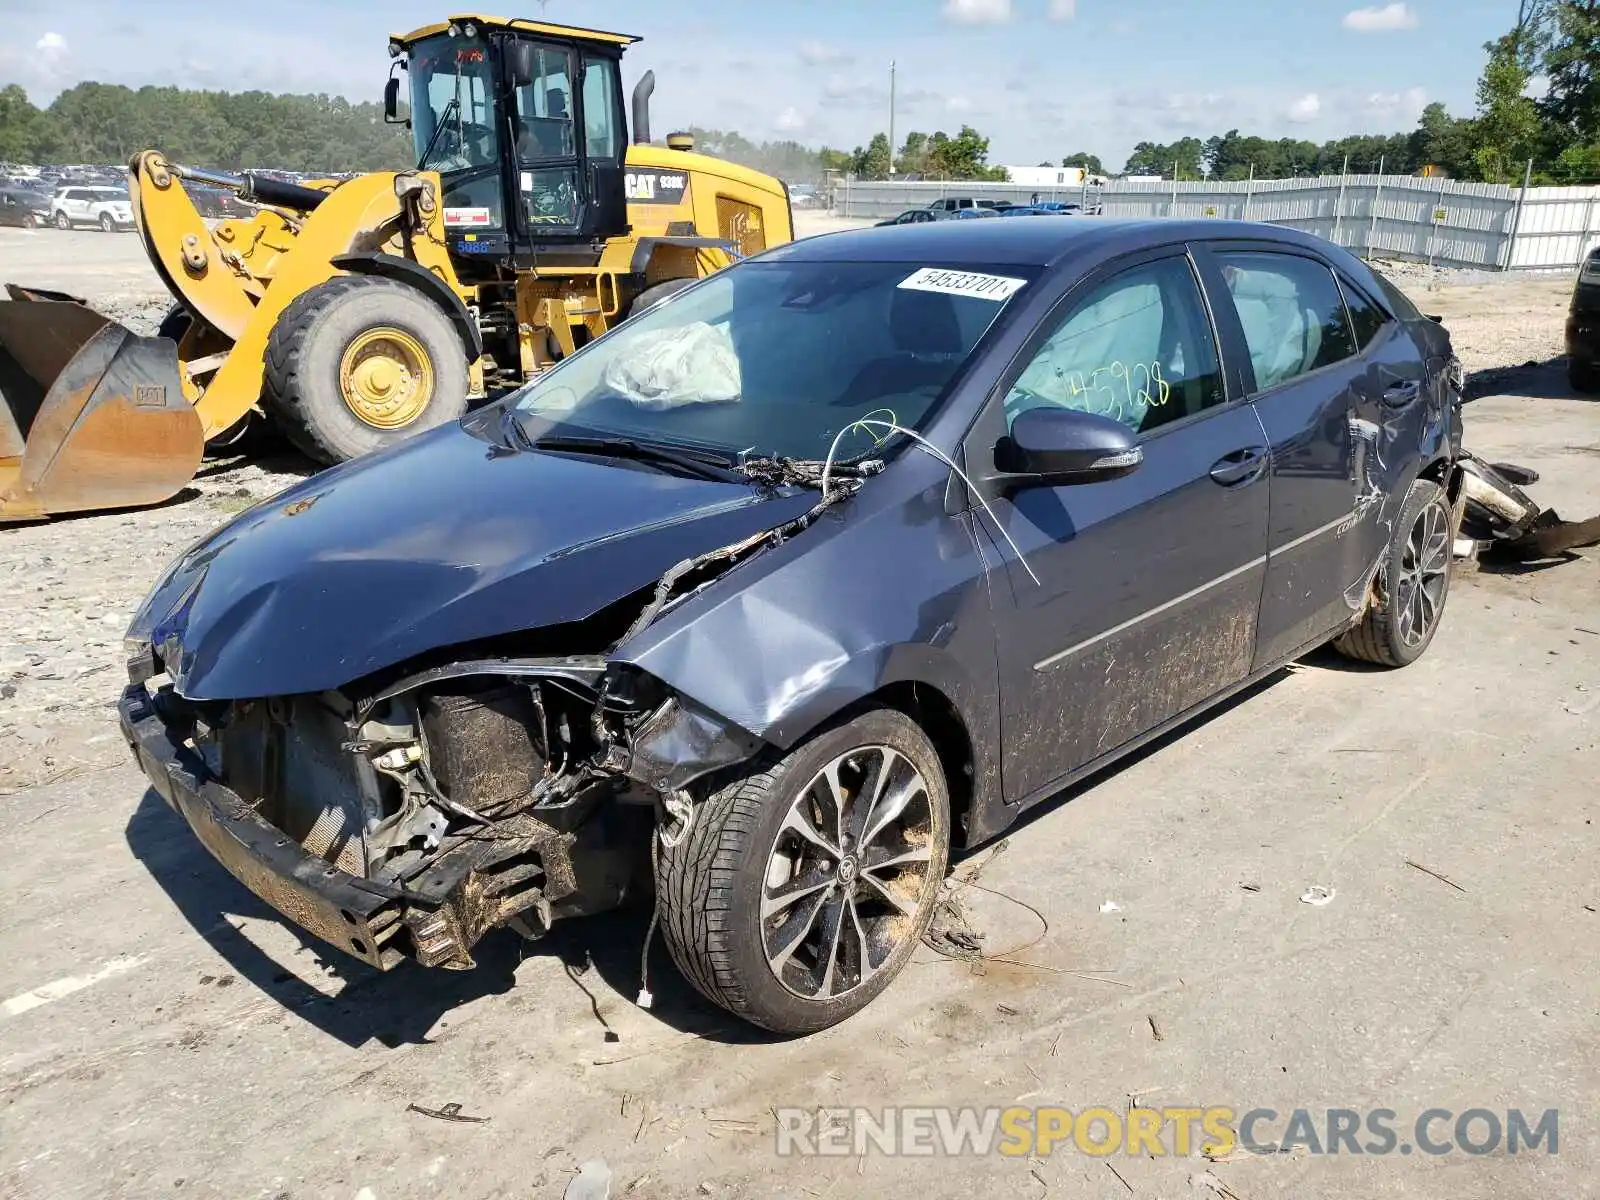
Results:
x,y
702,464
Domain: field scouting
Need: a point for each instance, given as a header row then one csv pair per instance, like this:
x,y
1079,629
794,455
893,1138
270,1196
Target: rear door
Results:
x,y
1137,598
1320,399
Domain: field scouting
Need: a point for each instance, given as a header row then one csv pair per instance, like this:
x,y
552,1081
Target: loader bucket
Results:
x,y
91,416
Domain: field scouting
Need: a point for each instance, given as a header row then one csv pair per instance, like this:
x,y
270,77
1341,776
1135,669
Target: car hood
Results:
x,y
445,539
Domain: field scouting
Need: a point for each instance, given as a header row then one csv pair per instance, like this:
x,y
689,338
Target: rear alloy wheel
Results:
x,y
357,364
107,225
803,886
1413,583
62,221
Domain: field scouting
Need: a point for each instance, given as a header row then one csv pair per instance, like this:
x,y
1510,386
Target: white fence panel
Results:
x,y
1446,222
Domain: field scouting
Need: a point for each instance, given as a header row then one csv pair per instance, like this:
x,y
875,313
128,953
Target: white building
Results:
x,y
1051,177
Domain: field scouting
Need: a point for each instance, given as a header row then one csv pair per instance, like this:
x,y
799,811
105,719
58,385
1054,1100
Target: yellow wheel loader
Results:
x,y
352,314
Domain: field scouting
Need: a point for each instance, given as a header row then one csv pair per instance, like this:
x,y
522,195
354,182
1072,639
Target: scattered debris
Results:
x,y
1110,906
1435,874
1120,1179
1205,1180
1005,1010
450,1112
1034,1171
592,1182
1250,887
1155,1030
1318,896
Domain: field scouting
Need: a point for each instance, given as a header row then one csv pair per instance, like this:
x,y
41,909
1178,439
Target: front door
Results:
x,y
1136,598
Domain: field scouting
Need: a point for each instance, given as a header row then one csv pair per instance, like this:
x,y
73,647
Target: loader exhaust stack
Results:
x,y
91,416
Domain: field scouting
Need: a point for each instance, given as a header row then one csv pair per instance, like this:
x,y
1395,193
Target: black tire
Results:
x,y
304,350
710,887
175,324
107,225
29,221
1581,375
62,221
655,294
1388,635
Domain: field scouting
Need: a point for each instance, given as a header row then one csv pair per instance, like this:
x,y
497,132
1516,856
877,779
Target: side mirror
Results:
x,y
520,63
391,100
1054,447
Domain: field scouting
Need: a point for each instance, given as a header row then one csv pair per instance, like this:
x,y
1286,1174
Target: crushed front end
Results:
x,y
409,819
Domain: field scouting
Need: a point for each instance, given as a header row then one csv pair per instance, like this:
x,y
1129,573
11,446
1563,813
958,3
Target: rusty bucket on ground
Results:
x,y
91,415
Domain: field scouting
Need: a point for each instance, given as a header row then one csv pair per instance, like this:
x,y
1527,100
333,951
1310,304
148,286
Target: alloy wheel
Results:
x,y
1424,574
846,873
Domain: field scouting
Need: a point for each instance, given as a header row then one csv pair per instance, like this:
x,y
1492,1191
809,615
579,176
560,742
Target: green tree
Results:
x,y
913,156
1089,162
1571,62
1507,128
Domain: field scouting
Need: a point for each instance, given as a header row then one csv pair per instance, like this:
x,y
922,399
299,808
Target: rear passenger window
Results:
x,y
1138,348
1366,318
1293,315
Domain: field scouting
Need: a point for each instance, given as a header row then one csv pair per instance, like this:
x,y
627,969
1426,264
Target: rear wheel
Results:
x,y
803,885
357,364
62,221
1413,583
107,225
29,221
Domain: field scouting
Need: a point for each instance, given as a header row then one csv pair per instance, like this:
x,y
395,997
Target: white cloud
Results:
x,y
790,120
958,104
1385,19
978,12
818,54
1305,108
1403,106
51,46
1537,88
1063,10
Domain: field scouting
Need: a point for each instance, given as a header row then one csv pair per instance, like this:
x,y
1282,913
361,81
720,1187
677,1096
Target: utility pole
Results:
x,y
891,118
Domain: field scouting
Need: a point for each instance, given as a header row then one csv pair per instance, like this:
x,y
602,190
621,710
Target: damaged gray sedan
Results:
x,y
766,600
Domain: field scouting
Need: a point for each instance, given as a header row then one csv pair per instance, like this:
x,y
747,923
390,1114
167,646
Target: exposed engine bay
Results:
x,y
480,794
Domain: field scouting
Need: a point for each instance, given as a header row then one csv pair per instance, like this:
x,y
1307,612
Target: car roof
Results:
x,y
1040,242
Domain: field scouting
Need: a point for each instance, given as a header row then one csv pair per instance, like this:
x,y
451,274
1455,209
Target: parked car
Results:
x,y
913,216
712,598
951,204
108,207
23,206
968,214
1583,327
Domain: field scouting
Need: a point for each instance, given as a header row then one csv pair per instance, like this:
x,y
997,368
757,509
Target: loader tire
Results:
x,y
652,296
358,364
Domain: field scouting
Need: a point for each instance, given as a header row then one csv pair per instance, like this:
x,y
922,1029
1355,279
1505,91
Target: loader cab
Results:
x,y
524,123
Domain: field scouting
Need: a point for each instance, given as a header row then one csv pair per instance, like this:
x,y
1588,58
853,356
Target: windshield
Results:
x,y
777,358
452,104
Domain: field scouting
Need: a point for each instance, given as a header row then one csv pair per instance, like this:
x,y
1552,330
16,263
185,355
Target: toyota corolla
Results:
x,y
768,599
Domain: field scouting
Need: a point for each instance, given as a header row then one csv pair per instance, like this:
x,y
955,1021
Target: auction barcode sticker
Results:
x,y
467,216
998,288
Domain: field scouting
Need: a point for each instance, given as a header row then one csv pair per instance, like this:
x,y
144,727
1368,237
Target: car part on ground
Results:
x,y
1511,526
777,592
521,248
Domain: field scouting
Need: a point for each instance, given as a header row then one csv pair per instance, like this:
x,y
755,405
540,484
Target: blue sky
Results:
x,y
1042,78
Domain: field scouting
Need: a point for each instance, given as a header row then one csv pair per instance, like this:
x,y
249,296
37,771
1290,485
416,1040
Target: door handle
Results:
x,y
1240,467
1398,395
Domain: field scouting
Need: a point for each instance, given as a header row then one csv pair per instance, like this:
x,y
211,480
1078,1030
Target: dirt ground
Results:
x,y
163,1033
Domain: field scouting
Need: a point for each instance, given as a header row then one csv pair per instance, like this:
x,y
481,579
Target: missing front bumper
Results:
x,y
436,916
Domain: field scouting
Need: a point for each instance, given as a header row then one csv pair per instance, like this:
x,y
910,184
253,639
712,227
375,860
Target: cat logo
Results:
x,y
654,187
153,395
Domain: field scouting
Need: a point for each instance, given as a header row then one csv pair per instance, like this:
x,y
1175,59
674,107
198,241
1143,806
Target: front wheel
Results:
x,y
803,885
1413,583
357,364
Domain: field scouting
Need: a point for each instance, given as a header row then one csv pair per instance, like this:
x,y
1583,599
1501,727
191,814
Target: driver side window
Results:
x,y
1138,348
